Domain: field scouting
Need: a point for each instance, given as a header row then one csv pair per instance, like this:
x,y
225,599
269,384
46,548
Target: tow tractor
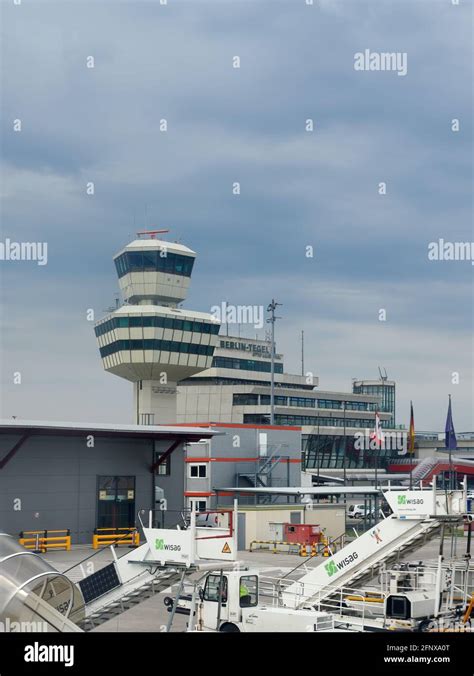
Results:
x,y
228,601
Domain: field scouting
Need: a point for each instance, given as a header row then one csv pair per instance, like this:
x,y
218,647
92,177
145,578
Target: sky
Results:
x,y
298,188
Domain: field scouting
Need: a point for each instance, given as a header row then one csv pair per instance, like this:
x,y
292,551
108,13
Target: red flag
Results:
x,y
377,434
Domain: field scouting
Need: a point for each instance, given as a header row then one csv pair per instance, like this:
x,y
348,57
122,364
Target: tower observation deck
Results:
x,y
149,340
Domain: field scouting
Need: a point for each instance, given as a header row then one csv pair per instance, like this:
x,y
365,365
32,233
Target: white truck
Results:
x,y
229,602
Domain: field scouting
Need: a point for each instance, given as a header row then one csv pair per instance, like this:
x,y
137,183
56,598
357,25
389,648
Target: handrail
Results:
x,y
98,551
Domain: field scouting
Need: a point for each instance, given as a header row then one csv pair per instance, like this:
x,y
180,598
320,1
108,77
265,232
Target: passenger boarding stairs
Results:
x,y
167,557
424,469
417,518
127,596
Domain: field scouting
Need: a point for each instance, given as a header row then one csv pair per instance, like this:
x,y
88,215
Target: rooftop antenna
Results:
x,y
151,233
271,320
112,308
383,376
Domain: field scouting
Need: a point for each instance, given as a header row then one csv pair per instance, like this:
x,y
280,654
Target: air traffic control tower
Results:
x,y
149,340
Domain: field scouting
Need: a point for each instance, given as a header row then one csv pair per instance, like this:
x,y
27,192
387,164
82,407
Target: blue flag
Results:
x,y
450,435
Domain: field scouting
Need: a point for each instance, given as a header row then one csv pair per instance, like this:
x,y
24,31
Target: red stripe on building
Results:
x,y
291,460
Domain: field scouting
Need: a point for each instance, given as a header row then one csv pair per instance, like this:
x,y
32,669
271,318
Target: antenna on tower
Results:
x,y
151,233
383,376
112,308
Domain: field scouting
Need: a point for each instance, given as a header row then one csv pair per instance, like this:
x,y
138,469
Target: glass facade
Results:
x,y
298,420
162,345
158,322
195,380
325,451
244,364
304,402
154,261
257,400
279,400
349,405
383,390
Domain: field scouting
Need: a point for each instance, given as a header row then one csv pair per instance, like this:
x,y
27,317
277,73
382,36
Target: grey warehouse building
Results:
x,y
245,456
81,476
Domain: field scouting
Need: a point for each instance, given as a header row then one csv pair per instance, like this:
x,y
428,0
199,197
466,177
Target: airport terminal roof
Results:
x,y
106,429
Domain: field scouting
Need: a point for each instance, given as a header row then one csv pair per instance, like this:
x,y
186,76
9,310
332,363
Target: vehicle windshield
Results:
x,y
211,590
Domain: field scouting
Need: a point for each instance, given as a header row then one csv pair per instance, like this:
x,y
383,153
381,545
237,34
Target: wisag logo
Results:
x,y
160,544
331,567
402,500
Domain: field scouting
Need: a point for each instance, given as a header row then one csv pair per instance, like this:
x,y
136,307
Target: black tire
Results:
x,y
168,601
427,624
229,628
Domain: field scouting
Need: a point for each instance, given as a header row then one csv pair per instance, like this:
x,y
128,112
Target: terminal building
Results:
x,y
236,389
383,388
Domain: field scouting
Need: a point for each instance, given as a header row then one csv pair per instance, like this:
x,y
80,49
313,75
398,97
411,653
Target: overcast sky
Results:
x,y
298,188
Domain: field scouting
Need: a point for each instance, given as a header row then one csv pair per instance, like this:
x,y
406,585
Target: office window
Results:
x,y
245,399
164,468
198,470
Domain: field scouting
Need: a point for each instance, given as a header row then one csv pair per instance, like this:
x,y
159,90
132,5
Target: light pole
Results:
x,y
345,449
272,319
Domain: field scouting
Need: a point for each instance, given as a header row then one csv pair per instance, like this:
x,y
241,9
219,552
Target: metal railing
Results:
x,y
358,605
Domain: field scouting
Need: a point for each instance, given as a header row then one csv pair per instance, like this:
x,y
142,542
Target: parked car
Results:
x,y
356,511
360,511
207,520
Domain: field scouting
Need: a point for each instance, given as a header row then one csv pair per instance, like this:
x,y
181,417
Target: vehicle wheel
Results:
x,y
427,625
228,627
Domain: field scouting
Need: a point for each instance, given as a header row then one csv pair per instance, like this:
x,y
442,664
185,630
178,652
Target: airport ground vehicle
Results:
x,y
329,596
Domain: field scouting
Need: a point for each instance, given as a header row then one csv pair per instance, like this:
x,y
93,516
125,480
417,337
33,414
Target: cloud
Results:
x,y
297,188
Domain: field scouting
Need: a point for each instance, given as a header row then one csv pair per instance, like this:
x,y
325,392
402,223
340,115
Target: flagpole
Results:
x,y
451,477
412,443
376,454
450,442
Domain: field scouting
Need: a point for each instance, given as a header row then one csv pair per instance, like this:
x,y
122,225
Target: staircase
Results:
x,y
129,595
361,559
424,469
417,541
262,477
